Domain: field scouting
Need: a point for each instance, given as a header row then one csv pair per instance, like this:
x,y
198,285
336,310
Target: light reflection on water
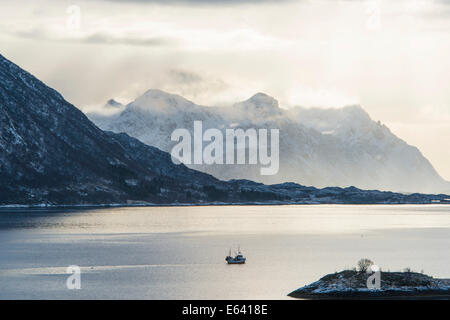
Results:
x,y
178,252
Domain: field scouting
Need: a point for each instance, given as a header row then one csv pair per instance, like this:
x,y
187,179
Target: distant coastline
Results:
x,y
212,204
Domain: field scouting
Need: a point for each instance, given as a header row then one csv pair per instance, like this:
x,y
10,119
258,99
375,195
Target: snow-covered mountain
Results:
x,y
51,153
318,147
113,104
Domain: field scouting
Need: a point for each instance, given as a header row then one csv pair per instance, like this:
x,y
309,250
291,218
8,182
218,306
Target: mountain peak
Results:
x,y
156,93
356,109
111,103
261,99
162,101
259,106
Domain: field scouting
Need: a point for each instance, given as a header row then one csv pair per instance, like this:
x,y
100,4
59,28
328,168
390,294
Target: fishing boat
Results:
x,y
237,259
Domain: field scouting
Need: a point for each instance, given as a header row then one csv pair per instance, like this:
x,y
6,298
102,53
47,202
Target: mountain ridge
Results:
x,y
51,154
319,147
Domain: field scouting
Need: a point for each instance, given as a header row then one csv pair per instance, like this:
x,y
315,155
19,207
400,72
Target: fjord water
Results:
x,y
178,252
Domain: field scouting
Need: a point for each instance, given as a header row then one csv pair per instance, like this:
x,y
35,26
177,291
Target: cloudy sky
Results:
x,y
389,56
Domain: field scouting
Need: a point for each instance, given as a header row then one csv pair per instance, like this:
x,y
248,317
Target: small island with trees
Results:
x,y
367,281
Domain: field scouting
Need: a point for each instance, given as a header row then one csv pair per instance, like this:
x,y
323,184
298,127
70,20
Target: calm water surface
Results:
x,y
178,252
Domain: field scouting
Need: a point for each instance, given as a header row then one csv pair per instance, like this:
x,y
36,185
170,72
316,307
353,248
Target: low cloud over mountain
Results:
x,y
319,147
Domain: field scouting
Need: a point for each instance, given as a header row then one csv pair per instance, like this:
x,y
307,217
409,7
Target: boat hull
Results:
x,y
236,261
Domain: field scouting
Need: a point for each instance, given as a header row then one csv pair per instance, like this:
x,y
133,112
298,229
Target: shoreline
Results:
x,y
212,204
424,296
377,295
353,285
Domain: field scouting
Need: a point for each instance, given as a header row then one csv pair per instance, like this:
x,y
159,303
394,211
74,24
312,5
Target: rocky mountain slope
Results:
x,y
52,153
319,147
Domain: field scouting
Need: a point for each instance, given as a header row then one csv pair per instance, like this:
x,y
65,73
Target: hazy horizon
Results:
x,y
390,58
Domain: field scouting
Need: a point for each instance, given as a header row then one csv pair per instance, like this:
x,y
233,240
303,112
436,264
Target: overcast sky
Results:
x,y
392,57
